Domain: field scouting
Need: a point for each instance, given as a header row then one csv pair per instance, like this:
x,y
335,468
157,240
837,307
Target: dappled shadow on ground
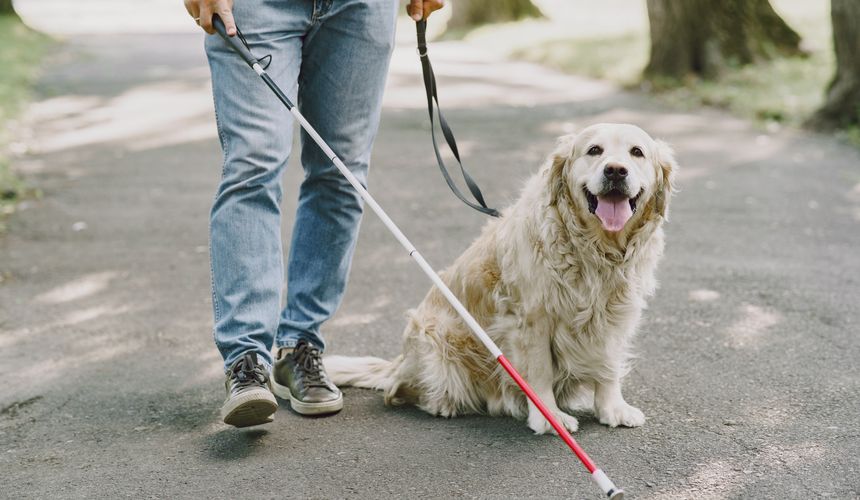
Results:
x,y
235,444
143,117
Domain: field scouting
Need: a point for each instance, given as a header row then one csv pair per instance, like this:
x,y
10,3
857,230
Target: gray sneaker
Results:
x,y
249,397
298,375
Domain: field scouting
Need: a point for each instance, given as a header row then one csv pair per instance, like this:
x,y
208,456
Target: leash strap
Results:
x,y
430,88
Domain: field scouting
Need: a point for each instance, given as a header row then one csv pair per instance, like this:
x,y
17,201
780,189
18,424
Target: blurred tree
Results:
x,y
842,107
6,8
701,37
468,13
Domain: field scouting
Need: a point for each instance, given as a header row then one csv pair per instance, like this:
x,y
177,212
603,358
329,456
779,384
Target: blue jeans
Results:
x,y
331,58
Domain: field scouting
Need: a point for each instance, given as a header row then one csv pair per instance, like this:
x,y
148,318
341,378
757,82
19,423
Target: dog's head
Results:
x,y
616,175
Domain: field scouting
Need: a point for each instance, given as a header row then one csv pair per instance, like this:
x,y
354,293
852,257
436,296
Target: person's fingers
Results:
x,y
192,8
415,9
206,20
431,6
227,16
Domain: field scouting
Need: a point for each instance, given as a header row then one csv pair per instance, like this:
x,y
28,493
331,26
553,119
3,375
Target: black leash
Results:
x,y
430,88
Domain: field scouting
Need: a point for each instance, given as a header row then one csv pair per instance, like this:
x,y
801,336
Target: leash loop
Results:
x,y
447,133
267,57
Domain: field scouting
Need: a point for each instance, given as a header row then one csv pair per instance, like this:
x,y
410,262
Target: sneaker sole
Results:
x,y
304,408
253,407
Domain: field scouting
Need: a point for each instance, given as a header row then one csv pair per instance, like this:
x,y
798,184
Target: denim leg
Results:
x,y
344,66
256,136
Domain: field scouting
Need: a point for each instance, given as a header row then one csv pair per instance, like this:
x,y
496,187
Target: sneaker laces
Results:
x,y
247,372
308,359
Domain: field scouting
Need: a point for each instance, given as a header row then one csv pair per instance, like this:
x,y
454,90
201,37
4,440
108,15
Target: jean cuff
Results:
x,y
291,343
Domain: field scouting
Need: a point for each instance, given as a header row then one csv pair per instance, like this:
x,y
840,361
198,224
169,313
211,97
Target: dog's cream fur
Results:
x,y
560,295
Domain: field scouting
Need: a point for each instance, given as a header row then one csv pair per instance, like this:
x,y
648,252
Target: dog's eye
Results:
x,y
595,151
637,152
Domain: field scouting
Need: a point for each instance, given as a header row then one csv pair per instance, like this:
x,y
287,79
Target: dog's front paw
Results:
x,y
621,414
540,425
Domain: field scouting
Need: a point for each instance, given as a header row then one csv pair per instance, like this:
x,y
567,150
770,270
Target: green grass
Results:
x,y
619,58
783,91
21,50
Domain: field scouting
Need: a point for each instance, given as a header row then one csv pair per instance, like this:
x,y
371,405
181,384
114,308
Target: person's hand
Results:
x,y
202,10
421,9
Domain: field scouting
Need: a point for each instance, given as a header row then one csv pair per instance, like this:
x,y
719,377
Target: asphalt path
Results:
x,y
747,357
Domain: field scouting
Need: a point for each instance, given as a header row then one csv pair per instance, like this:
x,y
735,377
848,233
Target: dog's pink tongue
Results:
x,y
614,212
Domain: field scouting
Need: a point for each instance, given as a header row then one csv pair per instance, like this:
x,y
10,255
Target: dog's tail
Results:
x,y
367,372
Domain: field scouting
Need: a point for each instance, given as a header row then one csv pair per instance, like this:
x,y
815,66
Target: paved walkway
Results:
x,y
748,369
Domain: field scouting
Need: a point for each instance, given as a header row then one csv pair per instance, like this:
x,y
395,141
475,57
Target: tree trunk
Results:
x,y
842,107
702,37
6,8
469,13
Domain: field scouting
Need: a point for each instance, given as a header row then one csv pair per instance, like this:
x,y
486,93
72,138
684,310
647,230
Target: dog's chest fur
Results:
x,y
587,301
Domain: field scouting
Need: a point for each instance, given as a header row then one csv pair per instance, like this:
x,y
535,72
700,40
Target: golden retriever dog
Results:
x,y
559,282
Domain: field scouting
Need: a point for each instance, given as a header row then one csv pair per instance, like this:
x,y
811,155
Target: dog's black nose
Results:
x,y
614,172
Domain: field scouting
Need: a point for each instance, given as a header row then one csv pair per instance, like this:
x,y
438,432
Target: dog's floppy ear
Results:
x,y
667,169
558,159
